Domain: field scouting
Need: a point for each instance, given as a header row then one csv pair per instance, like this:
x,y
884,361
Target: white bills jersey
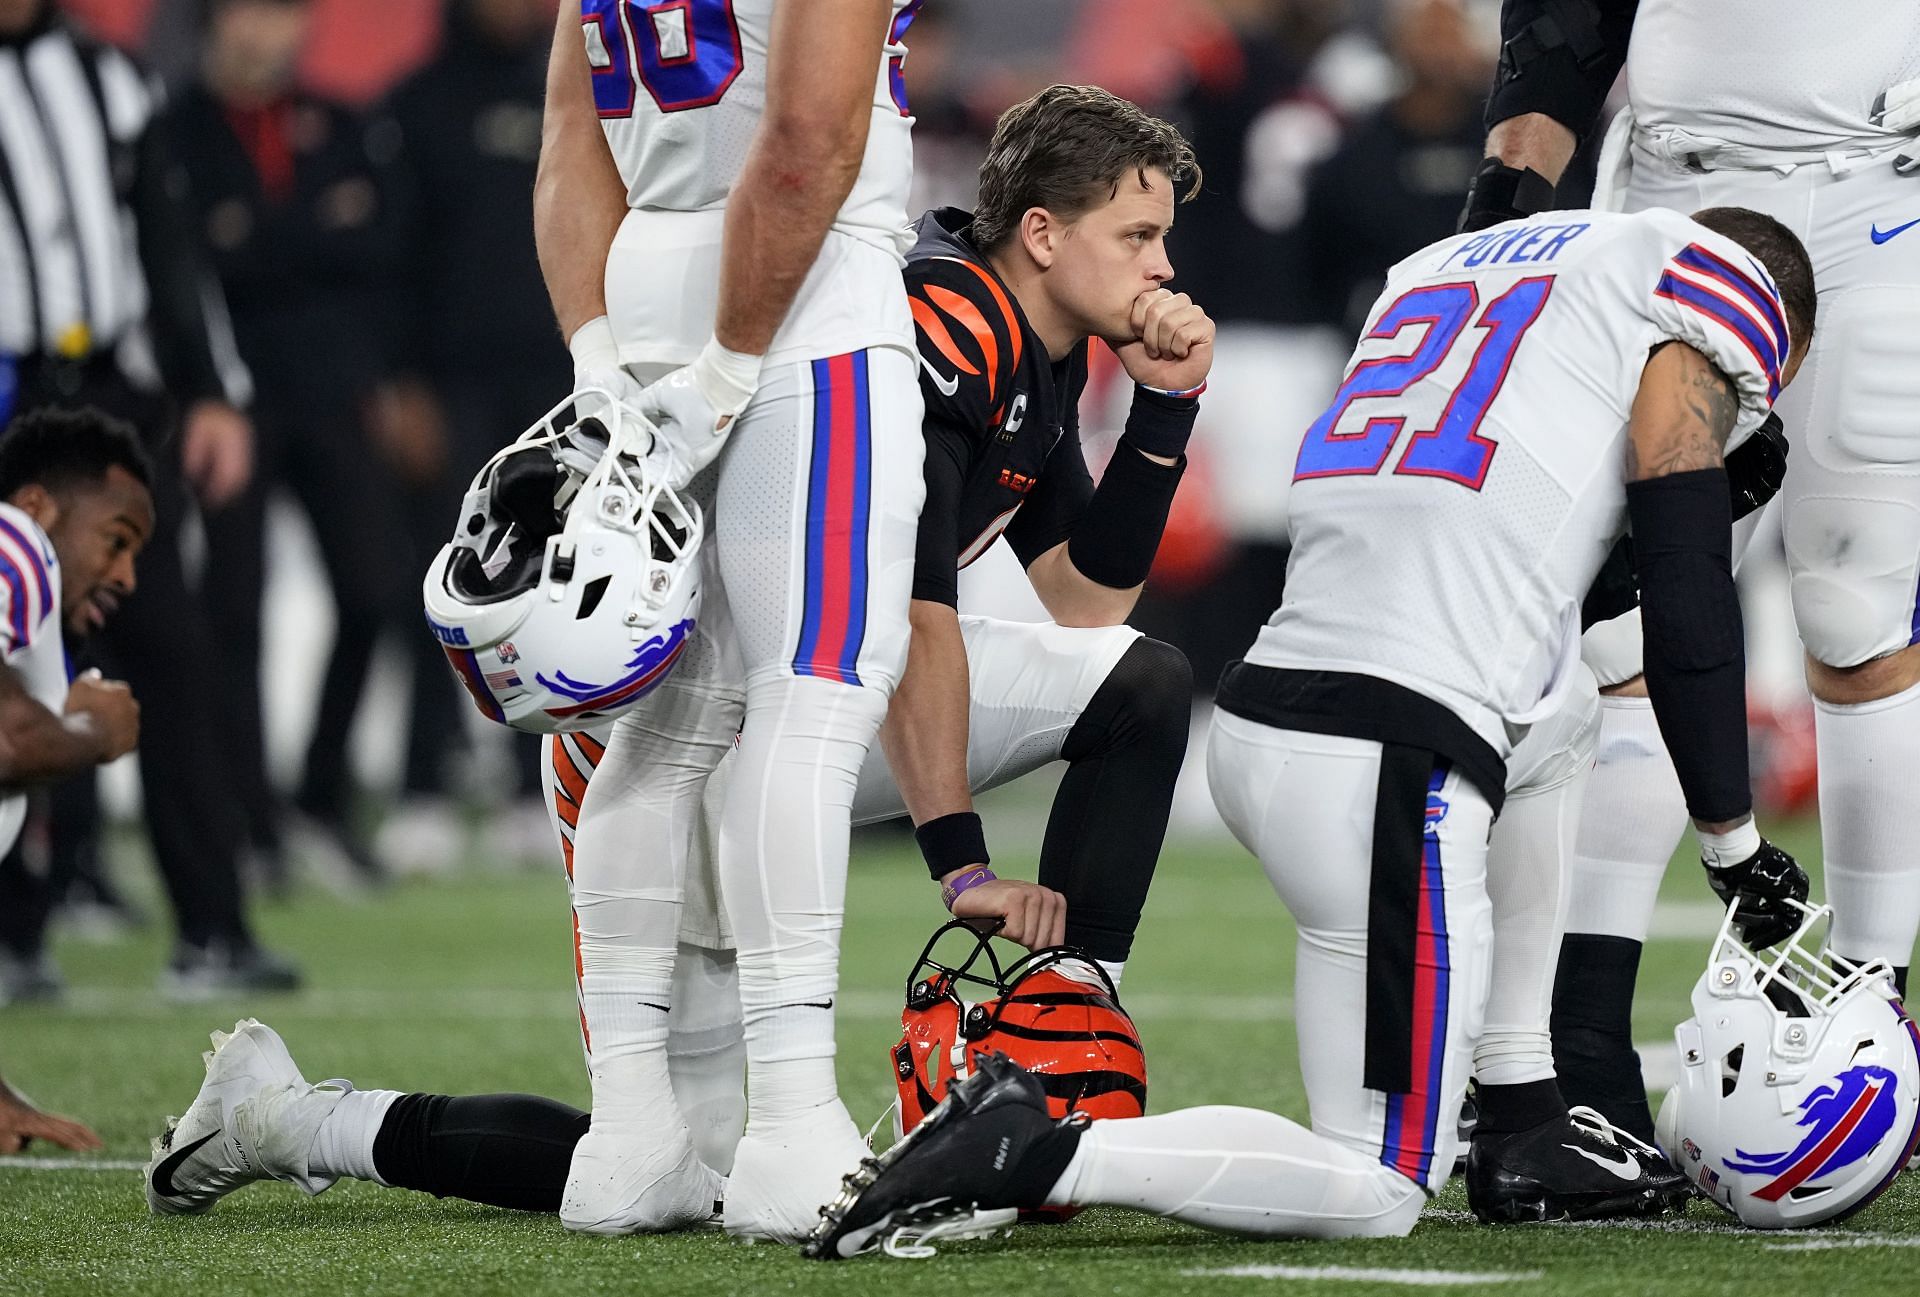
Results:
x,y
681,87
30,634
1781,75
1451,507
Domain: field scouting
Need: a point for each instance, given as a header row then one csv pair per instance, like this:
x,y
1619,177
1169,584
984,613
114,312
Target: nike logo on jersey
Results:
x,y
947,386
1880,236
163,1174
1627,1168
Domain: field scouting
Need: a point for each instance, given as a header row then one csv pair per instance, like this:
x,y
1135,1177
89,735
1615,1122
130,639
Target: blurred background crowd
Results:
x,y
356,178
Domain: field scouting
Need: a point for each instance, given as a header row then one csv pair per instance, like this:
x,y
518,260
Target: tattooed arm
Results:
x,y
1682,416
1683,558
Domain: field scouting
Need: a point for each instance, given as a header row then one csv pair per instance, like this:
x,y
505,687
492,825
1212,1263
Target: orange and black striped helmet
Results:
x,y
1055,1012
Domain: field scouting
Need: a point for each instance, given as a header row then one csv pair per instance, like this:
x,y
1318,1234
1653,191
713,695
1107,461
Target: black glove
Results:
x,y
1763,883
1757,467
1503,193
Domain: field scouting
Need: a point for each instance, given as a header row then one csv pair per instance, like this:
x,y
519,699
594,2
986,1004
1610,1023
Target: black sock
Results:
x,y
504,1150
1110,815
1593,1030
1509,1109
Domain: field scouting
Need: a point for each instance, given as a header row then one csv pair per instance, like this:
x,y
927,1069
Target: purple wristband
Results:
x,y
950,892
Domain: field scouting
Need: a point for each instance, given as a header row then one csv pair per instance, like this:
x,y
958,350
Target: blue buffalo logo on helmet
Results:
x,y
1844,1122
647,668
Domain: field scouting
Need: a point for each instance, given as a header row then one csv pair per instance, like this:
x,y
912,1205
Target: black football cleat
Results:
x,y
1574,1168
990,1146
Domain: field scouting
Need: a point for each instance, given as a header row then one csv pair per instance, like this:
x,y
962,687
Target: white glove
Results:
x,y
694,407
1897,109
597,370
596,362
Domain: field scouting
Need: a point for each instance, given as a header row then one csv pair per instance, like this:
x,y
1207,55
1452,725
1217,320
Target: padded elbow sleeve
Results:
x,y
1695,650
1558,57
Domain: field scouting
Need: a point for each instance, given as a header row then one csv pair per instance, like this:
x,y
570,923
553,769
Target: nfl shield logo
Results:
x,y
508,653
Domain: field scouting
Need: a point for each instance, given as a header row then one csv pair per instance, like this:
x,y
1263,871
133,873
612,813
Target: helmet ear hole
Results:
x,y
590,598
1730,1069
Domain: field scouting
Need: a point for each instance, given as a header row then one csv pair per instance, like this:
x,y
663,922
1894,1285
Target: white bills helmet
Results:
x,y
572,583
1799,1093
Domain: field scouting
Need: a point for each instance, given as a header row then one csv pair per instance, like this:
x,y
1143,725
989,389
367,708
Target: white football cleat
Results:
x,y
634,1177
783,1176
254,1119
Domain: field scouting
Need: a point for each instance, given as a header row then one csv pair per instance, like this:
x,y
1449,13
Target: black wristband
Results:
x,y
1115,540
1695,652
1160,424
1503,193
952,842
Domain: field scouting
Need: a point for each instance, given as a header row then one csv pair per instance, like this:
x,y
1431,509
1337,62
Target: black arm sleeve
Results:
x,y
1559,57
1695,649
1118,534
178,282
936,562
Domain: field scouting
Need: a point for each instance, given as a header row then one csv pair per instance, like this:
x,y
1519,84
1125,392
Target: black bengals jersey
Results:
x,y
1002,420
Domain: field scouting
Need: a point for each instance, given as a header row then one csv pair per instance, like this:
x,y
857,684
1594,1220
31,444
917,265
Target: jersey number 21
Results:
x,y
1453,449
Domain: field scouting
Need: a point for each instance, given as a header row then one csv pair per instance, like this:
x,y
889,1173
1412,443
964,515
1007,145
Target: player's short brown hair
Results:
x,y
1067,150
1781,252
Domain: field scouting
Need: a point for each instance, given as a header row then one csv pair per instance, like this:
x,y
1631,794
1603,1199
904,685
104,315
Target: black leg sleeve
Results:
x,y
1110,815
503,1150
1593,1030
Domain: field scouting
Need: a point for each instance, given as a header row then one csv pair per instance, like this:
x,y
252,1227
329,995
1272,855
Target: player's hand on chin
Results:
x,y
1029,914
1172,343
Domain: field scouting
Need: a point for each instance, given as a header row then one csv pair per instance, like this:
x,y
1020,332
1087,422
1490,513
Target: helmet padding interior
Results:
x,y
522,495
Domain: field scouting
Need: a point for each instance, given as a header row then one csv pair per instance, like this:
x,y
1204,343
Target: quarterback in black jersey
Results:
x,y
1077,195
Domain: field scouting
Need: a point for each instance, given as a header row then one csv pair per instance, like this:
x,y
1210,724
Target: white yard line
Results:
x,y
68,1164
1358,1274
484,1003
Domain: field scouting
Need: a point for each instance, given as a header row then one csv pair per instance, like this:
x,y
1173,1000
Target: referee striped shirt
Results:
x,y
95,240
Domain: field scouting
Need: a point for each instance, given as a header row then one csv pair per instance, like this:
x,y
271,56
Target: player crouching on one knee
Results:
x,y
1077,196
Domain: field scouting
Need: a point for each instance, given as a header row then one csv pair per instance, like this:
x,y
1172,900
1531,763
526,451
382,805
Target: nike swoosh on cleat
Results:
x,y
1628,1168
1874,232
163,1174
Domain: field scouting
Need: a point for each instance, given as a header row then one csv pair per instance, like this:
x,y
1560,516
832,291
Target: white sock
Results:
x,y
706,1052
1630,821
343,1146
1527,862
1239,1170
783,874
1870,823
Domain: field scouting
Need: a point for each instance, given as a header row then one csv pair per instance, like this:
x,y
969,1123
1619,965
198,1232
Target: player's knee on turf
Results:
x,y
1146,699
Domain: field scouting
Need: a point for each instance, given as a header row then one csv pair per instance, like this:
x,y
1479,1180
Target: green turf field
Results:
x,y
463,986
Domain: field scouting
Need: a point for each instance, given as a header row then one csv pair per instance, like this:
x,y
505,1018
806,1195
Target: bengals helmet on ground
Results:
x,y
1055,1012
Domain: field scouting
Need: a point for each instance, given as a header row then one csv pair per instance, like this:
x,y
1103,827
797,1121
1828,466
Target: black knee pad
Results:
x,y
1147,699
